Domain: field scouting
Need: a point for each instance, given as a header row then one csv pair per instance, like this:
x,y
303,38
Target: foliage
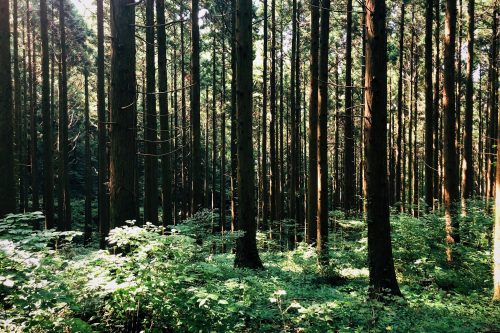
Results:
x,y
182,280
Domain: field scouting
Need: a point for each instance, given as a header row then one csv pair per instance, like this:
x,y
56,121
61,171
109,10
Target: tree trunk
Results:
x,y
399,143
123,112
246,247
234,152
7,183
48,170
88,166
380,261
196,192
103,196
275,195
429,123
312,185
263,177
451,195
150,135
166,175
322,132
349,163
437,141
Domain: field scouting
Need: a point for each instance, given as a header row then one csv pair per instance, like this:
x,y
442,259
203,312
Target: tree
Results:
x,y
322,132
88,171
48,170
312,185
150,134
496,231
7,184
380,261
468,164
246,247
349,163
123,111
166,176
103,197
265,188
451,195
399,139
429,112
64,221
196,192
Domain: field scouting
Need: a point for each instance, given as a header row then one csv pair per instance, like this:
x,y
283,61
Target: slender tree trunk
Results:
x,y
214,122
263,177
103,196
48,170
429,121
468,164
184,142
234,152
312,185
451,195
349,163
223,142
496,228
322,132
150,135
246,247
294,174
380,261
275,195
166,173
196,192
399,157
88,166
7,182
16,109
123,113
435,164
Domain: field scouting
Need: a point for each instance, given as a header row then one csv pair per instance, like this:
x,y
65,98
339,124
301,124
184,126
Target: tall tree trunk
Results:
x,y
399,140
437,92
64,221
196,192
150,135
263,177
312,185
246,248
7,183
380,261
275,195
322,132
17,110
451,195
48,169
223,141
214,121
184,128
102,188
234,152
166,174
468,164
496,228
88,166
123,113
429,123
349,163
294,173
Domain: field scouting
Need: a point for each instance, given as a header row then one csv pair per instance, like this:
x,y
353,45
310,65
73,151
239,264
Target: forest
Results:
x,y
249,166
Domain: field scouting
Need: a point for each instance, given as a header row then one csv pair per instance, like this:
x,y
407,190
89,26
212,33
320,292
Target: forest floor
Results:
x,y
183,283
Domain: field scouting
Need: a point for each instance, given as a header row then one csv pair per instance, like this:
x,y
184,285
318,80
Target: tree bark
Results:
x,y
263,177
88,166
7,183
48,169
246,248
451,195
349,163
429,118
399,143
123,194
322,132
380,261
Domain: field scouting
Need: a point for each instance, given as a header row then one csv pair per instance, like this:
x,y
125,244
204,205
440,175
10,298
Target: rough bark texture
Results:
x,y
349,163
451,194
48,169
197,181
322,166
166,174
312,185
246,247
429,111
380,261
123,112
150,135
7,184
